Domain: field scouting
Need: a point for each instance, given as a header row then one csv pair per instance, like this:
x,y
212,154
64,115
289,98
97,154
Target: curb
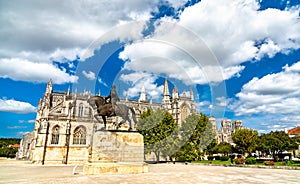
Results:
x,y
254,166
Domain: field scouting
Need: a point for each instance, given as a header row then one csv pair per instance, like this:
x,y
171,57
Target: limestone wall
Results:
x,y
117,147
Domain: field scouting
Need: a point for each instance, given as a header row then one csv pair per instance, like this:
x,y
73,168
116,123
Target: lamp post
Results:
x,y
68,140
68,132
46,142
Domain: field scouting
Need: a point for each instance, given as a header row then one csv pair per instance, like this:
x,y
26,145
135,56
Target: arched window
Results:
x,y
55,135
79,135
80,112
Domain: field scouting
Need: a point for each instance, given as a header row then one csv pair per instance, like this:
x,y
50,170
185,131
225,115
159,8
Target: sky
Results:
x,y
241,58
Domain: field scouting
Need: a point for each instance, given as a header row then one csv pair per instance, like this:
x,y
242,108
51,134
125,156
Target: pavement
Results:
x,y
14,171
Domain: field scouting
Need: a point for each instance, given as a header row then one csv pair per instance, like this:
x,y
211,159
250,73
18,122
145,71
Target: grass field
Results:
x,y
290,163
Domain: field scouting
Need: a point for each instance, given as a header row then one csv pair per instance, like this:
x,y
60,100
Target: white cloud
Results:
x,y
16,127
21,133
26,121
277,93
31,121
203,103
234,32
102,82
268,122
232,28
160,56
89,75
139,79
222,101
177,3
25,70
16,106
62,31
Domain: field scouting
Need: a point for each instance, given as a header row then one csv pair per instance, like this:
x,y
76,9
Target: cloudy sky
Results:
x,y
240,57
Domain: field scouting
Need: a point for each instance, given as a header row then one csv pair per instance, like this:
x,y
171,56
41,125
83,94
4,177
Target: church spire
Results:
x,y
49,87
166,101
191,94
68,93
48,94
143,95
166,91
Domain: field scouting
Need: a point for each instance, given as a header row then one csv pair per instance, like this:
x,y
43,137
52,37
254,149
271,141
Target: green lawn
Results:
x,y
212,162
290,163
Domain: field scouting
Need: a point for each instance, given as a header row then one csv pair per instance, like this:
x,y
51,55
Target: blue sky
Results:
x,y
241,58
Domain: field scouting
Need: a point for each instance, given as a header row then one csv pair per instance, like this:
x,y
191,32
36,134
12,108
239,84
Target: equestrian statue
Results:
x,y
110,106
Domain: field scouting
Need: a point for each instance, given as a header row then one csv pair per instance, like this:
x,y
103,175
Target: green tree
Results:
x,y
4,142
196,134
276,142
211,147
9,152
224,147
5,147
245,140
158,129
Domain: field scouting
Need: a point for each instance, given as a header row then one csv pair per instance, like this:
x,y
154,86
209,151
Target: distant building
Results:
x,y
227,128
294,132
65,123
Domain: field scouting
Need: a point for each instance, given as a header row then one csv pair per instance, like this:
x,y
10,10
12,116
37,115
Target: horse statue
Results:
x,y
109,106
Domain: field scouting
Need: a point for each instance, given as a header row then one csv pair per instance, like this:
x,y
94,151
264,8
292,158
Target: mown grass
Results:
x,y
212,162
219,162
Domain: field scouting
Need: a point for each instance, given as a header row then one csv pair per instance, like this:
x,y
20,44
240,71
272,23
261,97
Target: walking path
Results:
x,y
12,171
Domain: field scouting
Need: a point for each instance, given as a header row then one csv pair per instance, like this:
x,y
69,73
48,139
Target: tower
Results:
x,y
175,104
143,95
166,101
237,124
191,94
48,94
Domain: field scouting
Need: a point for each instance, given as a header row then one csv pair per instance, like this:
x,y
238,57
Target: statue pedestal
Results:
x,y
116,152
119,168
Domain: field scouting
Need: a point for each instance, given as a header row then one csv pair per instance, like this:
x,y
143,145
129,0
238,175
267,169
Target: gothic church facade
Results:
x,y
65,123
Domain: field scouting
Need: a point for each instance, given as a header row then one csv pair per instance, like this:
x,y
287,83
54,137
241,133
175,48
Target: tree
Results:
x,y
276,142
158,129
196,134
224,147
6,150
211,148
245,140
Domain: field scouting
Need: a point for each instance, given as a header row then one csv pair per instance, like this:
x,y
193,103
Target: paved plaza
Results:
x,y
12,171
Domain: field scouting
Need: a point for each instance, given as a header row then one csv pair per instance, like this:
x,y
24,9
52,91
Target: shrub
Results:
x,y
182,159
210,157
294,161
269,162
8,152
239,161
224,158
250,160
217,157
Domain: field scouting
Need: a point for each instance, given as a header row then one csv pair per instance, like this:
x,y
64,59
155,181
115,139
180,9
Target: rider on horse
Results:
x,y
113,99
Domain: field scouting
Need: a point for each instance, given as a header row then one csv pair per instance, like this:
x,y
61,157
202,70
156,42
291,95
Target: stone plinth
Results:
x,y
116,152
119,168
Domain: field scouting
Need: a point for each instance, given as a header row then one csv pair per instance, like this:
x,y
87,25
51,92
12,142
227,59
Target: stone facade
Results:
x,y
179,106
227,128
65,123
25,146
